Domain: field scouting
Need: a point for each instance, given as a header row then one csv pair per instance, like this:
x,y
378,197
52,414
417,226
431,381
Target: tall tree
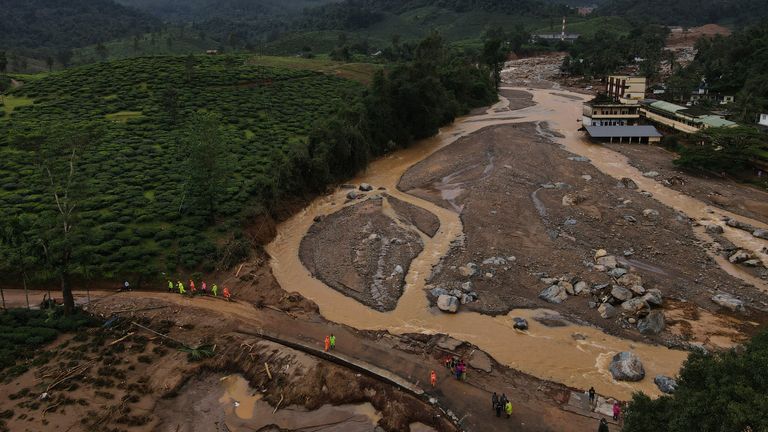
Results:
x,y
20,249
495,52
3,62
61,152
102,51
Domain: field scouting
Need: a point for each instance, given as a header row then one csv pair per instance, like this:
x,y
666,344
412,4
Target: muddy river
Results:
x,y
574,355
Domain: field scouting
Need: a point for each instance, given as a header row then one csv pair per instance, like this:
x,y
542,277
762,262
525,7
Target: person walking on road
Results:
x,y
182,291
204,288
327,342
433,378
192,289
226,293
591,396
494,400
498,409
616,411
215,290
170,286
333,341
508,409
603,426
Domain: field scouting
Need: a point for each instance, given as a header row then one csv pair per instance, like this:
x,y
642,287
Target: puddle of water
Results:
x,y
545,352
238,396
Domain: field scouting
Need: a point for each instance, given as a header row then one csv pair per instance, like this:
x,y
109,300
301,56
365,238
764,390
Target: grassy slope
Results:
x,y
137,170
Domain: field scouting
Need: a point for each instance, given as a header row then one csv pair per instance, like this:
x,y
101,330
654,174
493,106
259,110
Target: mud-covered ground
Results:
x,y
716,191
365,250
531,209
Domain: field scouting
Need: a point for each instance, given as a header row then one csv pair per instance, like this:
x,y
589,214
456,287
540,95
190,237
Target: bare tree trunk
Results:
x,y
2,295
26,290
66,292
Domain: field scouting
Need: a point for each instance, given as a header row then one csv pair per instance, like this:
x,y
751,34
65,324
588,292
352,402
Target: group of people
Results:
x,y
616,410
329,342
501,403
214,290
457,366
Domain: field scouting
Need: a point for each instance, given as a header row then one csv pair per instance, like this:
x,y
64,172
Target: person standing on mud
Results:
x,y
327,343
508,409
215,290
226,293
333,341
591,396
433,378
204,288
494,400
498,409
170,286
603,426
616,411
182,291
192,287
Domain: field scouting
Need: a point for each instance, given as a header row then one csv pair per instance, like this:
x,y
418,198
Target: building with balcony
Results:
x,y
605,111
625,89
680,118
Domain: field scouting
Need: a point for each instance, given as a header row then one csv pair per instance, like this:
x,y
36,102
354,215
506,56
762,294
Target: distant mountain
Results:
x,y
689,12
200,10
57,24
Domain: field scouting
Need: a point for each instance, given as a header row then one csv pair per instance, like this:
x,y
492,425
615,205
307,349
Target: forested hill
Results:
x,y
356,14
199,10
689,12
58,24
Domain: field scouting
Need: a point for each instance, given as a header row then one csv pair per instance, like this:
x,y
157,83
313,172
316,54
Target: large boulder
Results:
x,y
630,279
520,323
573,199
653,297
353,195
729,302
580,287
468,270
760,233
365,187
714,228
626,366
448,303
665,384
739,257
628,183
568,287
555,294
608,261
650,213
607,311
652,324
497,261
634,305
480,360
621,293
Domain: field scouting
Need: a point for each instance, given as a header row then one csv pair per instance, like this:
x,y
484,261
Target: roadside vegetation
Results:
x,y
723,391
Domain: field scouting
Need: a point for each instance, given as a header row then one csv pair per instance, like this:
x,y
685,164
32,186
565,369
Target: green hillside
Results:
x,y
139,215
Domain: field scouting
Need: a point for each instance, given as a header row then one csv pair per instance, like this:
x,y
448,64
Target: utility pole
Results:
x,y
562,34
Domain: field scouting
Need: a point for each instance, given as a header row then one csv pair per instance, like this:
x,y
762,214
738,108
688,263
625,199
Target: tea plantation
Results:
x,y
136,217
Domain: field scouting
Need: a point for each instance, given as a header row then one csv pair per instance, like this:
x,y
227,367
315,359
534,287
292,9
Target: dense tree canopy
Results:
x,y
729,150
688,12
717,392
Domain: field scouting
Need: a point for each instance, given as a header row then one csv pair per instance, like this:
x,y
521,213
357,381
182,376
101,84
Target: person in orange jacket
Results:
x,y
226,293
192,289
433,378
327,343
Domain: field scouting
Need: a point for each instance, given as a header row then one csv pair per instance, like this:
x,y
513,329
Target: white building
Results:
x,y
763,120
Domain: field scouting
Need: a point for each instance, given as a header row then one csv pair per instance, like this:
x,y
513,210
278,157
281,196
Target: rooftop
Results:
x,y
641,131
716,121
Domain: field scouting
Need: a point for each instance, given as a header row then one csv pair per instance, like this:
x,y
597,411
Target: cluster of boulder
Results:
x,y
357,192
626,366
449,298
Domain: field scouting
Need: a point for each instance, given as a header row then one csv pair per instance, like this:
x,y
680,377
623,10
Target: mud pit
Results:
x,y
600,223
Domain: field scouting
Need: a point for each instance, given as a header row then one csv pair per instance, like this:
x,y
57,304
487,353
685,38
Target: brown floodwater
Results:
x,y
575,355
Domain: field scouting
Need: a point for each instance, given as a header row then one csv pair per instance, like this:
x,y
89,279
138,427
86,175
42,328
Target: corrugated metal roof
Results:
x,y
716,121
642,131
666,106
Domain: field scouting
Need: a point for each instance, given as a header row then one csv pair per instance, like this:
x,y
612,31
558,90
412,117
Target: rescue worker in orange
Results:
x,y
192,289
327,343
433,378
226,293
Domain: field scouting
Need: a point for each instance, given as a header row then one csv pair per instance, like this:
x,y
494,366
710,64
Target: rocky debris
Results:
x,y
739,257
549,280
554,294
468,298
760,233
467,286
586,177
365,187
665,384
617,272
646,194
497,261
353,195
568,287
609,262
480,361
626,366
449,343
729,302
628,183
347,186
573,199
733,223
630,218
448,303
752,263
714,228
520,323
634,305
469,270
578,159
620,293
652,324
651,174
653,297
600,253
632,281
650,213
437,292
318,218
607,311
580,287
